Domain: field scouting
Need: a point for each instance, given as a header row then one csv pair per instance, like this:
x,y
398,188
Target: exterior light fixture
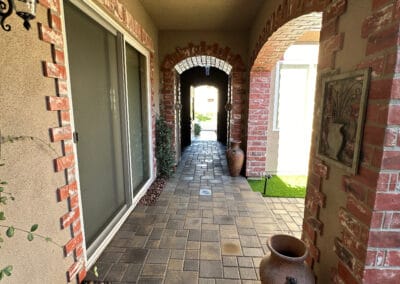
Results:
x,y
207,70
26,9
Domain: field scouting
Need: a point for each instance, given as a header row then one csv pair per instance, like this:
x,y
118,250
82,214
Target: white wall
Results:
x,y
289,137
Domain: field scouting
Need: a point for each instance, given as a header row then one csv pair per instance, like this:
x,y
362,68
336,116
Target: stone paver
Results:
x,y
187,237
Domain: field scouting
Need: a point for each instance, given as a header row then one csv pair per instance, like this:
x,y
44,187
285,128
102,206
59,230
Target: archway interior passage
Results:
x,y
200,76
204,112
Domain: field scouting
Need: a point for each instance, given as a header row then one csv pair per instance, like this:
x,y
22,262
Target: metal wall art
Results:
x,y
342,119
26,9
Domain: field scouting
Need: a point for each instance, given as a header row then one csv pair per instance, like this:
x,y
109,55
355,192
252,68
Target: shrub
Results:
x,y
197,129
164,153
203,117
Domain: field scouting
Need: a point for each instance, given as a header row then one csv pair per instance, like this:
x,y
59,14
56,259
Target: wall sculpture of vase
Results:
x,y
335,139
235,158
285,264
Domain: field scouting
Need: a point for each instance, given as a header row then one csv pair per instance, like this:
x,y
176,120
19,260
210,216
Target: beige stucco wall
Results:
x,y
29,166
346,59
170,40
259,23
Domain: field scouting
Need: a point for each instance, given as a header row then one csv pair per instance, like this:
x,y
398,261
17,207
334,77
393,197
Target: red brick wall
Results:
x,y
62,133
257,124
379,207
237,78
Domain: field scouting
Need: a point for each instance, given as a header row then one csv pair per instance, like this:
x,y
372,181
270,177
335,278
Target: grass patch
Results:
x,y
281,186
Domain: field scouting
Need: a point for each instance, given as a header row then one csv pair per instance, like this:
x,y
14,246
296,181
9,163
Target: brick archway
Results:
x,y
366,238
260,86
284,27
182,59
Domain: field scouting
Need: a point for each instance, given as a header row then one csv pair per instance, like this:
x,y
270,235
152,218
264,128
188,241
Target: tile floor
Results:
x,y
217,236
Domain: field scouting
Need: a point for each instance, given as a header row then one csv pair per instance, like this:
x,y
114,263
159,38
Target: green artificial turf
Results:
x,y
281,186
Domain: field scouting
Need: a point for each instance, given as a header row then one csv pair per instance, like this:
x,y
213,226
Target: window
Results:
x,y
294,85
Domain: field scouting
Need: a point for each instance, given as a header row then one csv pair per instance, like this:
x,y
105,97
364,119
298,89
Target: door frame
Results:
x,y
93,11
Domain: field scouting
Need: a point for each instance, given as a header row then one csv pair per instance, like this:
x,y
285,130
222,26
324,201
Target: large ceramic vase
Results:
x,y
286,263
235,158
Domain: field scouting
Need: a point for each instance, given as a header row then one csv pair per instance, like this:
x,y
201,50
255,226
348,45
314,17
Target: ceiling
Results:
x,y
216,15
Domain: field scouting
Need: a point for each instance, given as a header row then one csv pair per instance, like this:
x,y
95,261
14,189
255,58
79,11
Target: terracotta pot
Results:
x,y
286,263
235,157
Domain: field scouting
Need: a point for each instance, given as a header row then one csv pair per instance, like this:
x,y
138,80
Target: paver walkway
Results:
x,y
192,237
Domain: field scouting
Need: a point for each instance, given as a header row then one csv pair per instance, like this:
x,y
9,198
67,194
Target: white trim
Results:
x,y
276,96
135,44
97,14
86,8
94,11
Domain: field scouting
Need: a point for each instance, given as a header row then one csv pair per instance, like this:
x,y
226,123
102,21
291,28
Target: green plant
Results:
x,y
164,153
197,129
6,196
203,117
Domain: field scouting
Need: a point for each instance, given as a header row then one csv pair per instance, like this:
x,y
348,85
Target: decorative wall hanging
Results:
x,y
342,119
26,9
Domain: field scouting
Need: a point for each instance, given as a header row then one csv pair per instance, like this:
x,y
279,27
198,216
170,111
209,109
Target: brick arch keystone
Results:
x,y
237,81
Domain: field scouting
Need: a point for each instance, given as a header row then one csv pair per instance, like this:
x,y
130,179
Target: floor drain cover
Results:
x,y
205,192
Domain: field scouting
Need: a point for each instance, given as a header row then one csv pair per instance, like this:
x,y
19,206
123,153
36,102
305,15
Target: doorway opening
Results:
x,y
204,92
204,112
293,109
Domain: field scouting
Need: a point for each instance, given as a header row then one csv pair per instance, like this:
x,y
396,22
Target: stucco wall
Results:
x,y
347,60
29,168
29,164
259,23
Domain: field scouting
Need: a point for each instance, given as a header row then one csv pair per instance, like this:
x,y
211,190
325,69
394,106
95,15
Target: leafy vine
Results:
x,y
6,195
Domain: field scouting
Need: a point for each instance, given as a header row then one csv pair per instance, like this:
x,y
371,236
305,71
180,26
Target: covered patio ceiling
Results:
x,y
216,15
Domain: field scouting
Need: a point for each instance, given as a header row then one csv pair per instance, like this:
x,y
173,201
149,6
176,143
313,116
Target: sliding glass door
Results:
x,y
111,121
94,87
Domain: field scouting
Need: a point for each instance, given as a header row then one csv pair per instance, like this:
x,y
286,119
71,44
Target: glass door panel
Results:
x,y
92,53
137,105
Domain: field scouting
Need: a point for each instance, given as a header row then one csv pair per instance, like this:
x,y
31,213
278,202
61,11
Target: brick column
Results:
x,y
259,97
382,145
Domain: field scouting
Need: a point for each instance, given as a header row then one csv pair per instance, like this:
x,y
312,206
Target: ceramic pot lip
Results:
x,y
281,243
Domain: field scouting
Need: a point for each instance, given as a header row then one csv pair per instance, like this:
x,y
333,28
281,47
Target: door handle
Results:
x,y
75,137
